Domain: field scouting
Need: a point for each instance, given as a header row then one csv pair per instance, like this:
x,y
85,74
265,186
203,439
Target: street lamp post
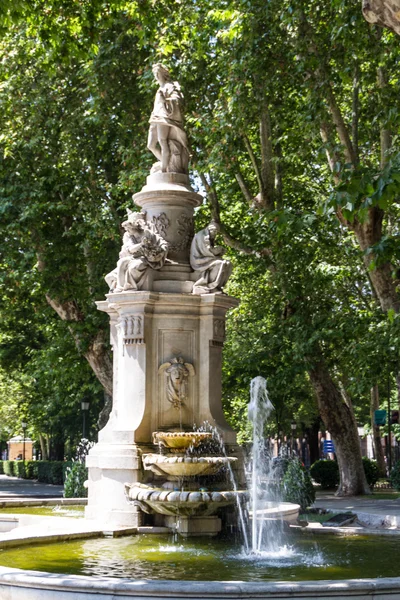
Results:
x,y
24,426
85,407
293,426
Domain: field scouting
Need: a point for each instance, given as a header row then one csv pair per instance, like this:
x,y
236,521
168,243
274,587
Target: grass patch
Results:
x,y
316,517
386,495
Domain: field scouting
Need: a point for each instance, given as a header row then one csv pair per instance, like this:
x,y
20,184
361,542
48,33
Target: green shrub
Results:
x,y
77,474
395,476
19,468
51,471
9,467
1,468
297,485
31,469
326,473
371,470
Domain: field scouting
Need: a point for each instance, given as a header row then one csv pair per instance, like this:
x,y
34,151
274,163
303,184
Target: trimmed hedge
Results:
x,y
45,471
8,467
395,476
326,473
371,470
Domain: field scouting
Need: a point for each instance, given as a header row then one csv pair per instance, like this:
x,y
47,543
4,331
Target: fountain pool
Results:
x,y
309,566
304,557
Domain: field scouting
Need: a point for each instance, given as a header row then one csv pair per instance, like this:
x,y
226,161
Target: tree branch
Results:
x,y
243,186
267,165
385,134
216,215
330,154
341,128
356,109
253,162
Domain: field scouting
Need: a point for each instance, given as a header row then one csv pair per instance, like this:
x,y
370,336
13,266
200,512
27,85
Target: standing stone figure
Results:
x,y
166,125
206,259
142,249
177,373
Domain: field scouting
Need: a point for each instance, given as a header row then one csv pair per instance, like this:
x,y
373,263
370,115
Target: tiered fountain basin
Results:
x,y
182,503
185,466
180,441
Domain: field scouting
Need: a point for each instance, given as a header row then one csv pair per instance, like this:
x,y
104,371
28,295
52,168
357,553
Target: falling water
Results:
x,y
259,410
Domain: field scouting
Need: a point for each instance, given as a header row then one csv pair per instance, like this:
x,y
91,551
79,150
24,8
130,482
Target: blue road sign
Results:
x,y
328,446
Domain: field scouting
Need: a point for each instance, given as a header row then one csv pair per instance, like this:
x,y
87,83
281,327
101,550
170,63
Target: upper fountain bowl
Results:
x,y
179,441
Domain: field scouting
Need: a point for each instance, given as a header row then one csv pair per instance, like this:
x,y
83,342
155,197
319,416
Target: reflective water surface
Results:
x,y
305,557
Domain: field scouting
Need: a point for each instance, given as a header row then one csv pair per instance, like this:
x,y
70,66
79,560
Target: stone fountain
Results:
x,y
167,315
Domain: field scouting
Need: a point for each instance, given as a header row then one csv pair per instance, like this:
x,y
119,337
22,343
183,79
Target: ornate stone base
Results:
x,y
148,331
194,526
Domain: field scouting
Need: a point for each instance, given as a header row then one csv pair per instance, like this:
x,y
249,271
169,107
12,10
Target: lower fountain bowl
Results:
x,y
175,503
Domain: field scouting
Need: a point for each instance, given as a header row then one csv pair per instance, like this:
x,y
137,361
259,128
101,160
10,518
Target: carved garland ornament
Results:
x,y
185,229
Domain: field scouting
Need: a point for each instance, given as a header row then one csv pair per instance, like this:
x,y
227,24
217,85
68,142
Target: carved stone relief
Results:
x,y
131,330
219,329
161,224
185,230
177,374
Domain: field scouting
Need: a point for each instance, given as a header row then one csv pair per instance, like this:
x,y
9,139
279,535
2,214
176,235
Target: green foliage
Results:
x,y
77,473
326,473
395,476
297,485
76,476
8,466
44,471
371,470
1,467
31,469
51,471
19,469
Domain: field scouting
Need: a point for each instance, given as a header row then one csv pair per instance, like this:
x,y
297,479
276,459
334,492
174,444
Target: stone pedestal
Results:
x,y
158,326
169,202
148,329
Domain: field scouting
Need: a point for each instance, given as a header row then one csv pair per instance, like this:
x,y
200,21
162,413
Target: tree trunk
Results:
x,y
376,434
368,234
339,420
313,441
43,447
98,357
385,13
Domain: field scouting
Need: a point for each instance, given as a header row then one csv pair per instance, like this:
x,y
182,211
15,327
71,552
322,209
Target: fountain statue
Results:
x,y
206,259
167,329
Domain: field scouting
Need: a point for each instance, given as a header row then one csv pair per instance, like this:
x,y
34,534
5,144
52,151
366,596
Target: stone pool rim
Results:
x,y
32,585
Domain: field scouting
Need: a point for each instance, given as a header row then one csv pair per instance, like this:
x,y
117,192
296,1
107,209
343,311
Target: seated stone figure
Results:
x,y
142,249
206,259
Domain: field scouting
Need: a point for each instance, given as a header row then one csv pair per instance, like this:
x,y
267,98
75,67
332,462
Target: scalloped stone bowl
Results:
x,y
185,466
179,441
184,504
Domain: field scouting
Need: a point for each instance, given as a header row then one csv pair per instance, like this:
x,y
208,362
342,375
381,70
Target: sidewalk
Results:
x,y
12,487
374,512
